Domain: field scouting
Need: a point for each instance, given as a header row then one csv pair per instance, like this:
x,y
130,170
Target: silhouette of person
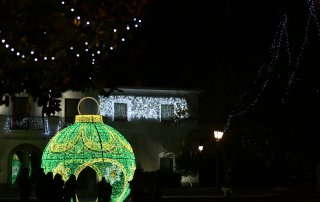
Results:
x,y
49,187
156,189
58,185
137,187
104,190
108,192
41,184
70,188
227,188
24,184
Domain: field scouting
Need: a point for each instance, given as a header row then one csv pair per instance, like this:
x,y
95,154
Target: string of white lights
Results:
x,y
313,14
247,108
294,67
276,45
22,123
77,50
281,33
274,51
90,50
143,107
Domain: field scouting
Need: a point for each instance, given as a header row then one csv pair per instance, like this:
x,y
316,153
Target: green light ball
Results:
x,y
91,143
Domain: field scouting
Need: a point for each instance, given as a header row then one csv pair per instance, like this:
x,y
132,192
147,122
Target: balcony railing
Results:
x,y
26,122
34,122
51,125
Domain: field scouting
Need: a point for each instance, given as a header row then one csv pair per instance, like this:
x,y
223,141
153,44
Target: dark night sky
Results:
x,y
186,42
219,47
204,44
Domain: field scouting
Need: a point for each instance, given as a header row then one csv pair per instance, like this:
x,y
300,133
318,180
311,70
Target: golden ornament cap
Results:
x,y
88,119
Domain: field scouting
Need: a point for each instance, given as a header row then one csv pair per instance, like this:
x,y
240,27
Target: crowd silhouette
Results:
x,y
49,188
41,188
24,184
104,190
70,189
145,187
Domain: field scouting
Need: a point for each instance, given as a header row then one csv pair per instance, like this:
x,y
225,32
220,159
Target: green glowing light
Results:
x,y
16,165
91,143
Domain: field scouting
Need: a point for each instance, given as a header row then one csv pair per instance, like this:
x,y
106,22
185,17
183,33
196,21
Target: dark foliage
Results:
x,y
40,41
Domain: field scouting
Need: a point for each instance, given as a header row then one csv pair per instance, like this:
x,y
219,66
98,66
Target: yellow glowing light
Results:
x,y
91,143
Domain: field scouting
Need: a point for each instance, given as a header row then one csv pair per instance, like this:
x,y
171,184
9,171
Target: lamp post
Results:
x,y
218,135
200,148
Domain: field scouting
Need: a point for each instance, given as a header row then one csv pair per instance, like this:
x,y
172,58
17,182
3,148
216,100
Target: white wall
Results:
x,y
148,138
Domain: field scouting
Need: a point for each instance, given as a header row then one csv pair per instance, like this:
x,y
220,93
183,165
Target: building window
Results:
x,y
70,109
167,112
19,107
120,112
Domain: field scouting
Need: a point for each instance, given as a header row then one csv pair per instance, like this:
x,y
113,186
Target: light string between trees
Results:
x,y
77,50
281,37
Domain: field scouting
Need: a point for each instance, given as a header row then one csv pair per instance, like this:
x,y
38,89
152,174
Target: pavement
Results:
x,y
242,194
209,194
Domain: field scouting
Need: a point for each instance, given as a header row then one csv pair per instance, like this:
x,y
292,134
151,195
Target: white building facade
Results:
x,y
154,121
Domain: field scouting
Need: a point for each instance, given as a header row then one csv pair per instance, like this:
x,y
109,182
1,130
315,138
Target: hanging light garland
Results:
x,y
90,33
144,107
281,40
48,47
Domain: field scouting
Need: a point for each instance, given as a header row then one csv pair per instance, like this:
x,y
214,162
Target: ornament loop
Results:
x,y
91,98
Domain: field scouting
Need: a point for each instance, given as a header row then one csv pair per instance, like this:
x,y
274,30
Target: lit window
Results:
x,y
120,112
167,112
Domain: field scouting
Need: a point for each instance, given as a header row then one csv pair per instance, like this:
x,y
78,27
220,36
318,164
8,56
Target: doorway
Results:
x,y
87,183
24,156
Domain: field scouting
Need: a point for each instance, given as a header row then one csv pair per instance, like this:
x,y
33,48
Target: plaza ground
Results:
x,y
208,194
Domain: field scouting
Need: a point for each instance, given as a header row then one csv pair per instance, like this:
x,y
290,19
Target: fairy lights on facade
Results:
x,y
139,107
7,125
28,123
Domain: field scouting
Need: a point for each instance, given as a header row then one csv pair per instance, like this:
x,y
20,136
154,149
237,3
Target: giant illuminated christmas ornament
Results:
x,y
91,143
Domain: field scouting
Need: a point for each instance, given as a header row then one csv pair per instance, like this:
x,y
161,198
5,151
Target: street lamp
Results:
x,y
200,148
218,135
